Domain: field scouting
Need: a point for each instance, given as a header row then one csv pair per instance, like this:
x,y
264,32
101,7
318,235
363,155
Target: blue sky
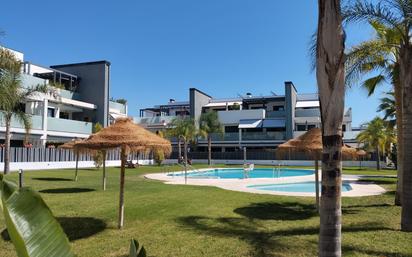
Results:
x,y
160,48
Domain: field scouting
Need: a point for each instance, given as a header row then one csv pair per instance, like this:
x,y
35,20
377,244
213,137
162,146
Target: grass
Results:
x,y
177,220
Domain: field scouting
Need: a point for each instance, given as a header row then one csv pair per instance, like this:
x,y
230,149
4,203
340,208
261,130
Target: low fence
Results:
x,y
22,154
255,155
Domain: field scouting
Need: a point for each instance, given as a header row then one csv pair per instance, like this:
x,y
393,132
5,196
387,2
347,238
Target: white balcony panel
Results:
x,y
233,117
222,104
303,120
251,123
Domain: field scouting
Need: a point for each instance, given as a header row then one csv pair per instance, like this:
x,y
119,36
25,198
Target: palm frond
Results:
x,y
371,83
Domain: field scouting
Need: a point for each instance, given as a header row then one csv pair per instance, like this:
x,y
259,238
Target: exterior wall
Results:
x,y
198,99
290,102
93,88
233,117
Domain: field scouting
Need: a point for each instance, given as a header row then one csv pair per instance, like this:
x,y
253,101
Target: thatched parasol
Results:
x,y
311,142
70,145
129,137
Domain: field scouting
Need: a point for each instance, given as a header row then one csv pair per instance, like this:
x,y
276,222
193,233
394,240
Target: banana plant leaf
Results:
x,y
135,251
31,225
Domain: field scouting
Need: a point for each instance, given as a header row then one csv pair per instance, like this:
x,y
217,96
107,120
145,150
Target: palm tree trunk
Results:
x,y
179,147
209,149
7,144
77,165
123,158
317,183
330,76
406,83
399,148
104,170
378,157
185,149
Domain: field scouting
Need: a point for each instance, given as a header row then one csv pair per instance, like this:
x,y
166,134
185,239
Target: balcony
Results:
x,y
69,126
36,122
275,114
233,117
229,136
154,121
307,113
117,107
270,135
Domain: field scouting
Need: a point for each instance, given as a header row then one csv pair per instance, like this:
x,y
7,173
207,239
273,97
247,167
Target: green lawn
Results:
x,y
182,221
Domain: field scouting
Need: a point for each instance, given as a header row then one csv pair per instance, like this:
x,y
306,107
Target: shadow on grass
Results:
x,y
81,227
74,227
267,240
352,249
277,211
382,181
68,190
53,179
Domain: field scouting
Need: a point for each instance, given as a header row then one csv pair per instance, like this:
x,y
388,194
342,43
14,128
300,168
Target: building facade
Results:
x,y
78,98
255,122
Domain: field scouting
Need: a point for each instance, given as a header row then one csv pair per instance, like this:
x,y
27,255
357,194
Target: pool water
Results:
x,y
303,187
239,173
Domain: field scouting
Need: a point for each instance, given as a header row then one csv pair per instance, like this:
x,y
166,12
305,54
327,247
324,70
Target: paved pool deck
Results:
x,y
176,178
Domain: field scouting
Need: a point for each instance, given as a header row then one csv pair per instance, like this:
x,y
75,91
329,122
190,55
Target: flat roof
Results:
x,y
80,64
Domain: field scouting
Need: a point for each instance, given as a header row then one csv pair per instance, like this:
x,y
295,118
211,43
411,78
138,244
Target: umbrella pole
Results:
x,y
104,170
77,166
317,183
121,193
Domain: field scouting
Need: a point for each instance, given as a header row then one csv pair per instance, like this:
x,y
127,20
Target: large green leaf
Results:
x,y
135,251
31,225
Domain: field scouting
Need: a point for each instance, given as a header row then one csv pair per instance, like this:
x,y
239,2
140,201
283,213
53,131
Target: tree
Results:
x,y
209,124
375,137
12,94
396,14
380,55
388,107
330,74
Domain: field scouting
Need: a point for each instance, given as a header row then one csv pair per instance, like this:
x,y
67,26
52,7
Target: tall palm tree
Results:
x,y
388,107
374,137
185,130
208,124
396,14
330,75
380,54
12,94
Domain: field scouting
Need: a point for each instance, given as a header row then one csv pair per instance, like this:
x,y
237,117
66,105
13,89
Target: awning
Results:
x,y
303,104
274,123
250,123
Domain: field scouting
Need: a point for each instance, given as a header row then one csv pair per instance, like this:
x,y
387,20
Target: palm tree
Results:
x,y
396,14
380,54
375,137
12,94
388,107
185,130
330,74
208,124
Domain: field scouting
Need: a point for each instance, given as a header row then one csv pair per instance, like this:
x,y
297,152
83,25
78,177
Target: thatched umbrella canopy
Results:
x,y
129,137
70,145
311,143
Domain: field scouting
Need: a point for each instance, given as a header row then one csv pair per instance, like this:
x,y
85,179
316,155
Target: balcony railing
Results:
x,y
275,114
157,120
307,113
36,122
69,126
117,106
270,135
229,136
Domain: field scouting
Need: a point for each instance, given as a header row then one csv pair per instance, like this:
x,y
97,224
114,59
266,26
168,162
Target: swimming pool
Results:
x,y
239,173
303,187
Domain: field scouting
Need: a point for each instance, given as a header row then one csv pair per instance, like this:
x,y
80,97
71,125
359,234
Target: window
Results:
x,y
231,129
311,127
64,115
278,108
50,112
301,127
344,127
